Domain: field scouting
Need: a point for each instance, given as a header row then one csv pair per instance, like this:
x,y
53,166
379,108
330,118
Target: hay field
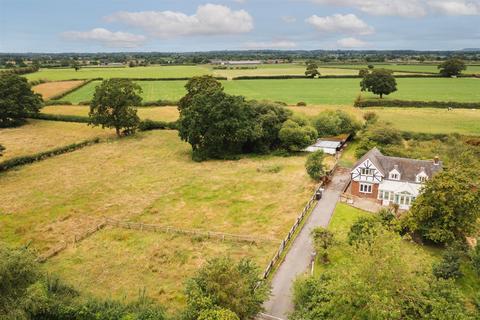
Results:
x,y
311,91
38,135
152,113
50,89
148,178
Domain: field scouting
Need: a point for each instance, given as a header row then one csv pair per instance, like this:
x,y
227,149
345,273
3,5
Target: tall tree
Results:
x,y
17,100
113,104
312,69
379,81
452,67
448,208
314,165
204,85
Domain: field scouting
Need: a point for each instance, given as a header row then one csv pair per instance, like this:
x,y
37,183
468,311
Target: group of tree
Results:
x,y
334,123
17,100
219,125
220,290
380,278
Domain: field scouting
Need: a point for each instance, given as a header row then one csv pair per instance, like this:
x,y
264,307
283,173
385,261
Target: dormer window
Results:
x,y
394,174
422,176
421,179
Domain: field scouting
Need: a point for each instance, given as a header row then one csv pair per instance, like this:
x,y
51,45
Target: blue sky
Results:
x,y
168,25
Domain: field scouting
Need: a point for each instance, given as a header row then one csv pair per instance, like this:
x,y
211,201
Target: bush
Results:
x,y
363,231
314,165
333,123
301,104
449,267
57,103
147,125
370,117
475,257
19,161
296,137
160,102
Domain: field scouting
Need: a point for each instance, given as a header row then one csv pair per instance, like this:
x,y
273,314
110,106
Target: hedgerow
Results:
x,y
19,161
57,103
147,125
416,104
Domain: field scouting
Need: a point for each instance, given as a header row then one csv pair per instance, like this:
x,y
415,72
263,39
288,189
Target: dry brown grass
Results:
x,y
38,135
50,89
152,113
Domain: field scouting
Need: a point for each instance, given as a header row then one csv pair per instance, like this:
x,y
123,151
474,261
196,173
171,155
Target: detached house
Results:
x,y
391,179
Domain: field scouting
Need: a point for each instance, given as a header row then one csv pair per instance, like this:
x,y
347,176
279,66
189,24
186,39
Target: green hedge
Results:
x,y
145,125
283,76
160,103
21,70
57,103
19,161
416,104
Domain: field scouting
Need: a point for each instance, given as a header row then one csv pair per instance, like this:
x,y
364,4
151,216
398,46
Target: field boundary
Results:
x,y
192,232
415,104
298,224
28,159
63,94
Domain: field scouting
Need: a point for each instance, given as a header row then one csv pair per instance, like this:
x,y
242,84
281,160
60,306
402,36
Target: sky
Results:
x,y
184,26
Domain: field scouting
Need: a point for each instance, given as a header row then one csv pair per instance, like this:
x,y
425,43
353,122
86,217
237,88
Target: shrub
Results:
x,y
332,123
57,103
363,231
147,125
370,117
323,239
449,267
301,104
475,257
314,165
296,137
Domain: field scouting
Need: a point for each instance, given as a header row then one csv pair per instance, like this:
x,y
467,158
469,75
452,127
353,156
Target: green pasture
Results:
x,y
312,91
429,68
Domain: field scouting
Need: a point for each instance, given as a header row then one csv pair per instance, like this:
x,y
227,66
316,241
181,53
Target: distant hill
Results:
x,y
471,49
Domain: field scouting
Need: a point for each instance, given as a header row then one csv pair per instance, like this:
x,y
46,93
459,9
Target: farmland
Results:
x,y
428,68
50,89
148,178
37,136
316,91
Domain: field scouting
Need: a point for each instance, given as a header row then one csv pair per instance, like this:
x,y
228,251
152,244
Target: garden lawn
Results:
x,y
38,135
311,91
50,89
152,113
155,71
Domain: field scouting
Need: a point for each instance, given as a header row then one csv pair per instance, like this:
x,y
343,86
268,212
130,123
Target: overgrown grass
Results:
x,y
37,136
312,91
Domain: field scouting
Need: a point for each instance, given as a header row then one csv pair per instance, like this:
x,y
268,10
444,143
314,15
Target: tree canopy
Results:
x,y
223,284
17,100
379,81
312,69
113,104
333,123
314,165
452,67
296,135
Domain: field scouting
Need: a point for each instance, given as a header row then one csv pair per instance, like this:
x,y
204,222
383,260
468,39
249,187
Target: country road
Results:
x,y
298,258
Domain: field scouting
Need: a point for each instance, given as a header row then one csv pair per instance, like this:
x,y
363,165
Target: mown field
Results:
x,y
157,71
428,68
37,136
316,91
152,113
148,178
50,89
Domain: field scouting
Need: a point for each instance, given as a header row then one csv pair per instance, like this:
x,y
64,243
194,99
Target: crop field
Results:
x,y
152,113
148,178
427,120
401,67
50,89
278,69
38,135
311,91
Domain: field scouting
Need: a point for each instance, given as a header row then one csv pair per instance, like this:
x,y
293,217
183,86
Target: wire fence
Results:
x,y
196,233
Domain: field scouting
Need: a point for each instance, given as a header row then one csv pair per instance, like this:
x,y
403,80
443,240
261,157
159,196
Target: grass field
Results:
x,y
428,120
153,113
149,178
322,91
400,67
50,89
37,136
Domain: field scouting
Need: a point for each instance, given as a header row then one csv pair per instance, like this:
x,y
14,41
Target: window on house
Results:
x,y
421,178
394,176
365,188
367,172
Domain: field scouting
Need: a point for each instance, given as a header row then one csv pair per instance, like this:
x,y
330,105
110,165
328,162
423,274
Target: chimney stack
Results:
x,y
436,160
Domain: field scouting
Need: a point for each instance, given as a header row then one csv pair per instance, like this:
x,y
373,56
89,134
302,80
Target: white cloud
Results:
x,y
209,19
278,44
351,43
106,37
340,23
455,7
405,8
288,19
